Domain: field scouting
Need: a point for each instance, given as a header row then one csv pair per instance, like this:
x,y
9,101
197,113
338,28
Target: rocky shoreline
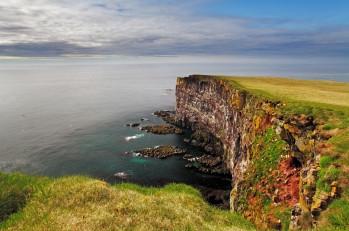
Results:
x,y
206,159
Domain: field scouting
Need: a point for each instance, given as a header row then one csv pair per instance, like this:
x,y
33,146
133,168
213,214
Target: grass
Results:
x,y
316,91
337,214
82,203
326,176
15,190
284,215
325,161
341,216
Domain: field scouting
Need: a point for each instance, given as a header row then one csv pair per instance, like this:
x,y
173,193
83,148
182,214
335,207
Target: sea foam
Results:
x,y
137,136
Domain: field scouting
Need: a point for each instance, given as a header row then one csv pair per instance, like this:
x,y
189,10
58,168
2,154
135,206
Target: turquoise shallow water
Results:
x,y
67,116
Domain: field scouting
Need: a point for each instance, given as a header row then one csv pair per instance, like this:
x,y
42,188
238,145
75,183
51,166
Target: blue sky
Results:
x,y
168,27
309,11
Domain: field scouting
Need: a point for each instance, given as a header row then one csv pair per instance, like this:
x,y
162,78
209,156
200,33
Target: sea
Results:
x,y
66,115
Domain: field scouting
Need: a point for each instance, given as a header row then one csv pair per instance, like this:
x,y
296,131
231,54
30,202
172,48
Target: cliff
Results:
x,y
272,146
284,142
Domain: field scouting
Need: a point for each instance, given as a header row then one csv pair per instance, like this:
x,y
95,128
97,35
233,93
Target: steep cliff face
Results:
x,y
230,115
272,158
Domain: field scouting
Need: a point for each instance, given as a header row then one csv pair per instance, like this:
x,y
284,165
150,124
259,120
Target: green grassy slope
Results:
x,y
81,203
328,102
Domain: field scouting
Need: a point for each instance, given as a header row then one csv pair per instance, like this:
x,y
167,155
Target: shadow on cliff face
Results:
x,y
204,155
211,161
217,197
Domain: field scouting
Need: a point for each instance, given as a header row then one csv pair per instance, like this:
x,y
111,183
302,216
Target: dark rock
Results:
x,y
210,161
207,141
218,197
274,223
209,148
162,129
208,164
133,125
161,152
187,156
316,212
287,136
167,116
194,143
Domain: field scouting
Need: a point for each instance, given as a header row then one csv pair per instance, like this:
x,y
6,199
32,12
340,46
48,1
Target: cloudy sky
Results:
x,y
169,27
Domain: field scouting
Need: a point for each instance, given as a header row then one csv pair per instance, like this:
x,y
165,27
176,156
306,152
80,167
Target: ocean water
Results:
x,y
67,116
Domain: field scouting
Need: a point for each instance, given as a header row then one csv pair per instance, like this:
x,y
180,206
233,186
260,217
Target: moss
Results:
x,y
336,217
328,127
340,218
266,203
242,199
284,214
326,176
341,142
326,161
268,149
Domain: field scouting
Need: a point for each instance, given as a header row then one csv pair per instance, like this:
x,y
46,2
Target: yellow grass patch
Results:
x,y
319,91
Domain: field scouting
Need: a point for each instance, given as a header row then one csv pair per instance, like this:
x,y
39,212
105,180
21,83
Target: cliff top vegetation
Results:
x,y
81,203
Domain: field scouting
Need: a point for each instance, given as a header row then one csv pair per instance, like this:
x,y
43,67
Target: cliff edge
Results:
x,y
284,142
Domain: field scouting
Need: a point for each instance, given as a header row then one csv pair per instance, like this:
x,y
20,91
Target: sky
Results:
x,y
49,28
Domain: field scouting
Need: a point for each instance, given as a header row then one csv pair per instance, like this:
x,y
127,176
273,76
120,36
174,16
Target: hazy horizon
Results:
x,y
276,66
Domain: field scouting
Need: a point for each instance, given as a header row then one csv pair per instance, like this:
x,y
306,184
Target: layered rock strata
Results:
x,y
272,158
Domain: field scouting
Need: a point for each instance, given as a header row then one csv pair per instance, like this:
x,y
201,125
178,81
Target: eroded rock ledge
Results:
x,y
161,152
272,158
162,129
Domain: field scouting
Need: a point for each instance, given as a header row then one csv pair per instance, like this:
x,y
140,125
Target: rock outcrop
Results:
x,y
161,152
162,129
272,158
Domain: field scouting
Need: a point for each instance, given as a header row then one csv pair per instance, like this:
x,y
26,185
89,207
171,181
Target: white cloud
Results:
x,y
133,27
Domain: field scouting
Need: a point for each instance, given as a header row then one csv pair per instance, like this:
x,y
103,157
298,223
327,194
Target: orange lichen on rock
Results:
x,y
288,181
